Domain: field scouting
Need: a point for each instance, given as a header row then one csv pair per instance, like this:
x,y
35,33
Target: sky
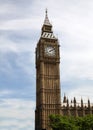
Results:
x,y
20,30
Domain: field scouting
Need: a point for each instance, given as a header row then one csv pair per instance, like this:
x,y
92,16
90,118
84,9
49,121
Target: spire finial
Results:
x,y
46,21
46,11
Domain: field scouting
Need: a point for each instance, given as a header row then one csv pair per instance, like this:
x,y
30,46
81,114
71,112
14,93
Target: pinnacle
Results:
x,y
46,21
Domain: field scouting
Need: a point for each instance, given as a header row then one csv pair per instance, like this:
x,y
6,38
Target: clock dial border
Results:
x,y
50,50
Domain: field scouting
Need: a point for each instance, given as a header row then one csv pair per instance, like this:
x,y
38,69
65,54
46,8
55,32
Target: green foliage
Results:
x,y
85,123
58,122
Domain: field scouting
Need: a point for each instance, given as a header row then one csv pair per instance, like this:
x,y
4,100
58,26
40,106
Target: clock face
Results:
x,y
50,51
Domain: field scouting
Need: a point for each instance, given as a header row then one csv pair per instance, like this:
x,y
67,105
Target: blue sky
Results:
x,y
20,29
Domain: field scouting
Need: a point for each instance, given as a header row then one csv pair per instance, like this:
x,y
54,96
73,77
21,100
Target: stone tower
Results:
x,y
48,100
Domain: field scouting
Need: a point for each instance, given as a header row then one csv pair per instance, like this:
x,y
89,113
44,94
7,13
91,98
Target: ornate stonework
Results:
x,y
48,100
47,77
73,108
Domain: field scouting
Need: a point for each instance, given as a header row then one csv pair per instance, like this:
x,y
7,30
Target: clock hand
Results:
x,y
51,50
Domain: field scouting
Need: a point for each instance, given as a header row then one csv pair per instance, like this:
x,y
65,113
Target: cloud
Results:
x,y
74,27
20,28
17,74
20,24
81,91
17,113
5,92
15,9
80,64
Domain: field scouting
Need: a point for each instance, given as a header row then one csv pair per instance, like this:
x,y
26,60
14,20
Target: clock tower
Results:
x,y
48,100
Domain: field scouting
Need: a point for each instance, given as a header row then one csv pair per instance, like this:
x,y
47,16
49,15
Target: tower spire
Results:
x,y
46,11
46,21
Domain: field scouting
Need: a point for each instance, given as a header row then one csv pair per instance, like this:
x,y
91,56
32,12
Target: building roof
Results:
x,y
46,21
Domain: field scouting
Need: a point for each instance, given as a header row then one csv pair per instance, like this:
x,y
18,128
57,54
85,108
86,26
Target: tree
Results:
x,y
58,122
85,123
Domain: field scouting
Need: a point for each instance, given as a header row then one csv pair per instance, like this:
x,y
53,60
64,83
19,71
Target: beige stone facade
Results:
x,y
73,108
48,100
47,77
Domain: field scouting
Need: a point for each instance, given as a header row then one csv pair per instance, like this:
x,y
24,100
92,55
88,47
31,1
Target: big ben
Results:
x,y
48,100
